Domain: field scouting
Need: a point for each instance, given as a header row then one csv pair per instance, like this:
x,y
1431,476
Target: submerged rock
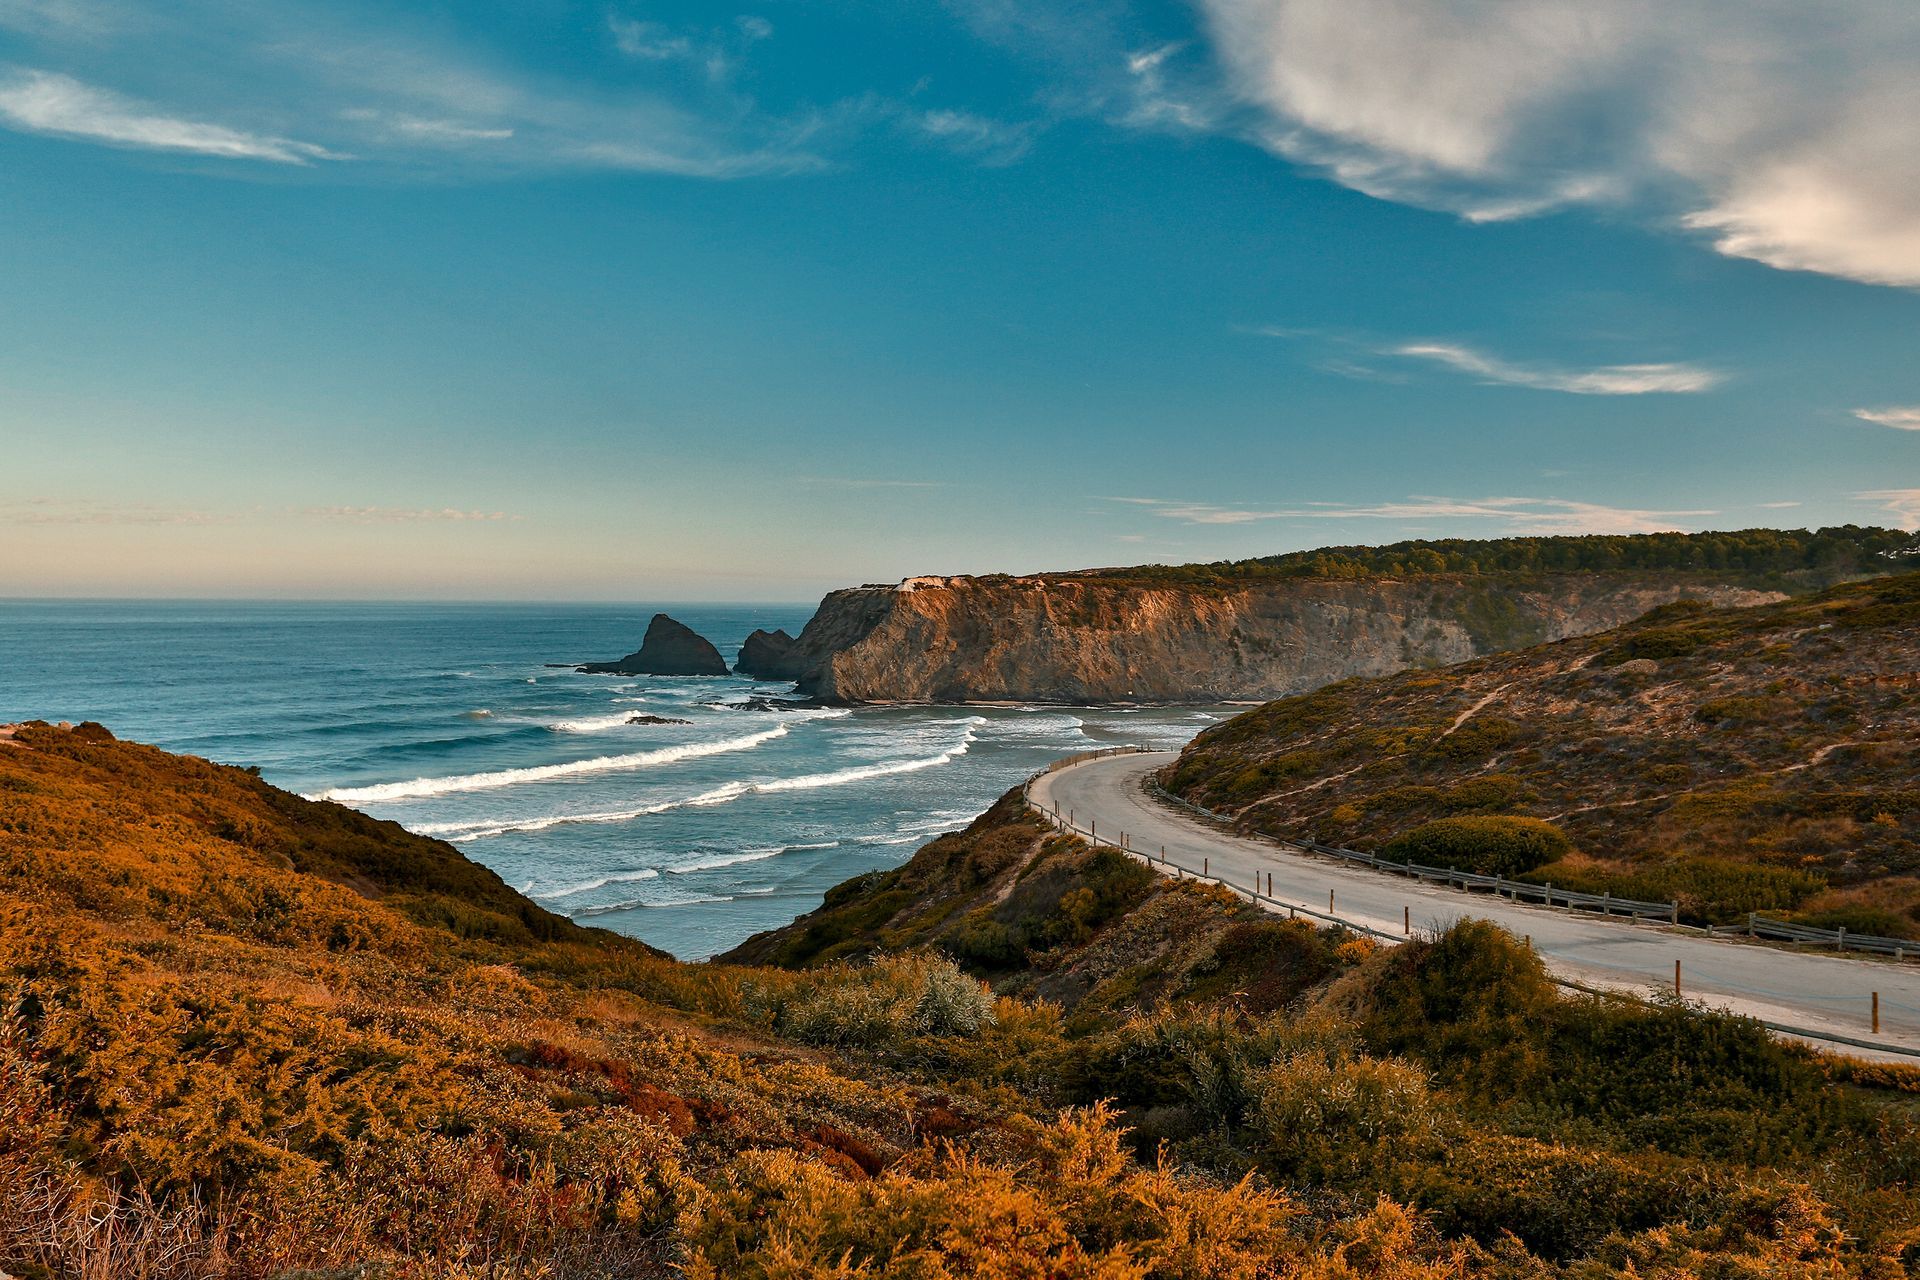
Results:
x,y
656,720
670,648
769,655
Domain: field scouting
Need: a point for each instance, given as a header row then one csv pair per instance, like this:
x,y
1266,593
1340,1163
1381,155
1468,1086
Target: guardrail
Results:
x,y
1839,939
1512,890
1756,924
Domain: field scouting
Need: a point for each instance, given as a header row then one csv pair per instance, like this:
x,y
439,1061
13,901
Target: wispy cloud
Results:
x,y
1607,380
1516,515
299,82
1777,506
1904,418
404,515
27,511
993,142
1354,356
1785,140
650,41
43,102
855,482
1902,504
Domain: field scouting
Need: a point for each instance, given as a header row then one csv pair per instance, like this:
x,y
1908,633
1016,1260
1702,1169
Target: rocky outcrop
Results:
x,y
1088,639
768,655
669,649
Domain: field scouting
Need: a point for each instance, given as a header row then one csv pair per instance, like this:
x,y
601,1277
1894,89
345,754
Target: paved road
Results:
x,y
1821,993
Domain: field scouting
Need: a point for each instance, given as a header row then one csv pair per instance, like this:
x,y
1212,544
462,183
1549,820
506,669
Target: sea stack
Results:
x,y
768,655
669,649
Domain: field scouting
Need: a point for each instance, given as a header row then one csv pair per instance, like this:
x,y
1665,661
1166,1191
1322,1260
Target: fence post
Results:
x,y
1329,902
1269,884
1676,979
1876,1013
1606,903
1750,916
1406,921
1840,941
1206,866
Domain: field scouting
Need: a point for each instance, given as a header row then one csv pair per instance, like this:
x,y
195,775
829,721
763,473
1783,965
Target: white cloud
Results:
x,y
299,81
1902,417
404,515
1782,130
43,102
1902,504
401,126
90,511
1514,515
852,482
1352,355
1607,380
990,141
649,41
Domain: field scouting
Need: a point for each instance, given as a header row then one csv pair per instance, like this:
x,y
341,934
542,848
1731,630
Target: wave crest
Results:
x,y
419,787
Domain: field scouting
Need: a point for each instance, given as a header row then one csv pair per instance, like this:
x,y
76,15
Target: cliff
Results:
x,y
1734,760
1090,640
1260,629
669,648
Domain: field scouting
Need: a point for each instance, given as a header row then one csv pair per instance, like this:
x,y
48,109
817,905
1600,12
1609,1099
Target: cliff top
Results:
x,y
1758,557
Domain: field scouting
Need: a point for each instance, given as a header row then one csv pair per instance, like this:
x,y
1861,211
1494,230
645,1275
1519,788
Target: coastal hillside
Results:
x,y
1556,1136
246,1035
1758,759
1259,629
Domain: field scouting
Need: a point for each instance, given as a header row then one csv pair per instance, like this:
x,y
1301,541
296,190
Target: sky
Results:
x,y
640,301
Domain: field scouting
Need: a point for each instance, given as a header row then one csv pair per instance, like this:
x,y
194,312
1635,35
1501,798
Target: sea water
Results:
x,y
450,720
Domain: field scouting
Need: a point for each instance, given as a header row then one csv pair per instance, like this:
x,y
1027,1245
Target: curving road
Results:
x,y
1819,995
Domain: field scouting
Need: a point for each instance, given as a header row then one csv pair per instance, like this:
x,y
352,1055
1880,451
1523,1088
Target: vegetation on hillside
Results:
x,y
1760,557
1448,1082
1732,760
246,1035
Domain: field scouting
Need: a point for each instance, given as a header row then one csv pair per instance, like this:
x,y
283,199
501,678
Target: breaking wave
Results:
x,y
419,787
483,830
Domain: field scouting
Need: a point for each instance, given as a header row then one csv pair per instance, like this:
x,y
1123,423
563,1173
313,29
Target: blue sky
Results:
x,y
568,300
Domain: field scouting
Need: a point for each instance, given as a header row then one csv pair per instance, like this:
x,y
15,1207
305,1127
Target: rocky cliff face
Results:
x,y
669,648
1068,638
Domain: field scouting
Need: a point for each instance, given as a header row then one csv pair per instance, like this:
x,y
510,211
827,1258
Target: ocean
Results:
x,y
449,720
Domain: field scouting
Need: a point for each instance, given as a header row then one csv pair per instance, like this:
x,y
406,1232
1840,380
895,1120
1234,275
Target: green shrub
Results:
x,y
885,1003
1488,846
1324,1116
1871,921
1708,890
1654,643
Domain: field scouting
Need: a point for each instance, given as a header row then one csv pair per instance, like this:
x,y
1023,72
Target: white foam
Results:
x,y
418,787
635,904
594,724
729,860
462,831
618,877
459,831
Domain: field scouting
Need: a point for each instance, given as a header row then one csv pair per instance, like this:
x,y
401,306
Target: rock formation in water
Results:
x,y
768,655
669,649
